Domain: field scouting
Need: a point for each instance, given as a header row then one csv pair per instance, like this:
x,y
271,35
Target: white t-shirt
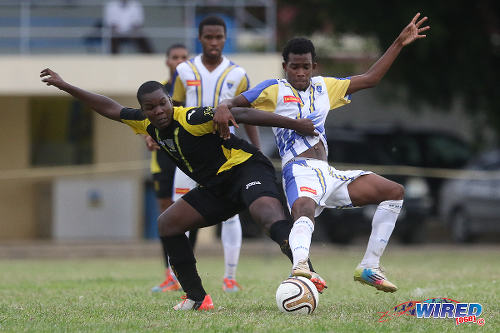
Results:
x,y
124,16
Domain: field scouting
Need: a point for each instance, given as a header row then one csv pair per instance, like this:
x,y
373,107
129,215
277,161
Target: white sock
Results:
x,y
231,241
383,224
300,239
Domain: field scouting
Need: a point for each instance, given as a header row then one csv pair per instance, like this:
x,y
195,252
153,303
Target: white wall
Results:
x,y
119,75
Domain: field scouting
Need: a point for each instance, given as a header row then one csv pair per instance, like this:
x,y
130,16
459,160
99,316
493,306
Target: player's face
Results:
x,y
212,40
175,57
299,69
158,108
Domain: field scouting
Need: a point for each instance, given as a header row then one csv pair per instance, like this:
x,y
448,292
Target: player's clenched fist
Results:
x,y
51,78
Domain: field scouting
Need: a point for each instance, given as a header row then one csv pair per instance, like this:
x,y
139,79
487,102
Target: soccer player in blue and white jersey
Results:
x,y
309,182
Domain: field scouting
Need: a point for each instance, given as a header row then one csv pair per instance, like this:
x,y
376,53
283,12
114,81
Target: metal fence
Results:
x,y
75,26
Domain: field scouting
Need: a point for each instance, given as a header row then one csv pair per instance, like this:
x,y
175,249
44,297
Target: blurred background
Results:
x,y
433,124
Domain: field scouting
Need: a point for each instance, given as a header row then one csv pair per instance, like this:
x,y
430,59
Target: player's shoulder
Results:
x,y
332,78
193,115
267,83
237,68
185,66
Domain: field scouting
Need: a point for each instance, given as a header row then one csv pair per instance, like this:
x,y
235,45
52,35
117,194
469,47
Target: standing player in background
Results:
x,y
163,169
205,80
310,183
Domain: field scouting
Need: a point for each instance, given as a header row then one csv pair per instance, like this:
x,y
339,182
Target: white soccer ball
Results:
x,y
297,295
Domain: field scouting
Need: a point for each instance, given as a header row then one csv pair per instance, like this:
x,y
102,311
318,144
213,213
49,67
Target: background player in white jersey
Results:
x,y
310,183
205,80
163,169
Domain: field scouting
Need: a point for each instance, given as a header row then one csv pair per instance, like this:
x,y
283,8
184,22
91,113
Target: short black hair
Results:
x,y
299,45
175,46
211,20
149,87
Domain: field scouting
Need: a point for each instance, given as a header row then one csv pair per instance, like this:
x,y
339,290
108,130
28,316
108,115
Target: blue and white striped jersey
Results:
x,y
323,95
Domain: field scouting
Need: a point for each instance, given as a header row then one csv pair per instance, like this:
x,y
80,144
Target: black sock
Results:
x,y
193,235
165,251
183,264
279,232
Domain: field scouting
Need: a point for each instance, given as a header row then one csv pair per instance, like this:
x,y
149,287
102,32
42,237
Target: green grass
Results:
x,y
112,295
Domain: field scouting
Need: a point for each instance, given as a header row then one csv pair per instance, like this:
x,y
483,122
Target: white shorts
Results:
x,y
182,184
315,179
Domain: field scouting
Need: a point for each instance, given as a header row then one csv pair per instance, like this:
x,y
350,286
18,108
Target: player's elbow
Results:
x,y
370,81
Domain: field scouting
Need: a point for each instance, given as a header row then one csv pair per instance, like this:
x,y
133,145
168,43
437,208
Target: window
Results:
x,y
61,132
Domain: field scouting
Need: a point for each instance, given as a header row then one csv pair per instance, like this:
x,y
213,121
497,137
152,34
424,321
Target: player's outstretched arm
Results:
x,y
376,72
103,105
256,117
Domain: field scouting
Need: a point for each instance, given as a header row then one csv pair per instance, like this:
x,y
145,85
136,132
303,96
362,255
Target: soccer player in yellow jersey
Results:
x,y
233,173
163,169
205,80
310,183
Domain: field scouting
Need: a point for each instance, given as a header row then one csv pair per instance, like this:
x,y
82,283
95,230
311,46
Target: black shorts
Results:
x,y
248,181
163,184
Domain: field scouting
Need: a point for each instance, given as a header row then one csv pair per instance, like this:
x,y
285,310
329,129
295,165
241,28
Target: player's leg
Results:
x,y
301,234
231,241
374,189
173,224
197,209
305,185
262,196
193,236
163,185
163,181
182,185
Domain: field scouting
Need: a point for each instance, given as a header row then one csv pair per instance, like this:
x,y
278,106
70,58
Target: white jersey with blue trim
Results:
x,y
195,85
277,95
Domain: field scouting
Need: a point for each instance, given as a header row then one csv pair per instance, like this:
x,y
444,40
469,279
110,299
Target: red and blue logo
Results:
x,y
461,312
438,308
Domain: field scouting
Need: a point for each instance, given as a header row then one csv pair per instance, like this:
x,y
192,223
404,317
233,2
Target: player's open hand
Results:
x,y
305,127
222,119
413,30
51,78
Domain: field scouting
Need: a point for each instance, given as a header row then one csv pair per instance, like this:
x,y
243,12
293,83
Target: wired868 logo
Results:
x,y
437,308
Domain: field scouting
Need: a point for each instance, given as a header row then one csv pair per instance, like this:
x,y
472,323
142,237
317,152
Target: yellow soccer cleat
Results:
x,y
374,277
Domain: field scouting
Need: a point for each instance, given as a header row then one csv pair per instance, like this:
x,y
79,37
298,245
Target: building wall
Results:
x,y
16,196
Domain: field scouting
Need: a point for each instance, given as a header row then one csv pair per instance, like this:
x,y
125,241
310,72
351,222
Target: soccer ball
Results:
x,y
297,295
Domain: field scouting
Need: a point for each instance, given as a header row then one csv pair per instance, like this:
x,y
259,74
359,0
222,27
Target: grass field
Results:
x,y
112,295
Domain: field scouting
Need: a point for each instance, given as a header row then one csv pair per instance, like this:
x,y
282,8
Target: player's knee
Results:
x,y
303,207
396,192
167,226
162,227
266,211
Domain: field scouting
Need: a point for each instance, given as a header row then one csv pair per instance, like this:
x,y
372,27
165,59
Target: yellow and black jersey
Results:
x,y
189,141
